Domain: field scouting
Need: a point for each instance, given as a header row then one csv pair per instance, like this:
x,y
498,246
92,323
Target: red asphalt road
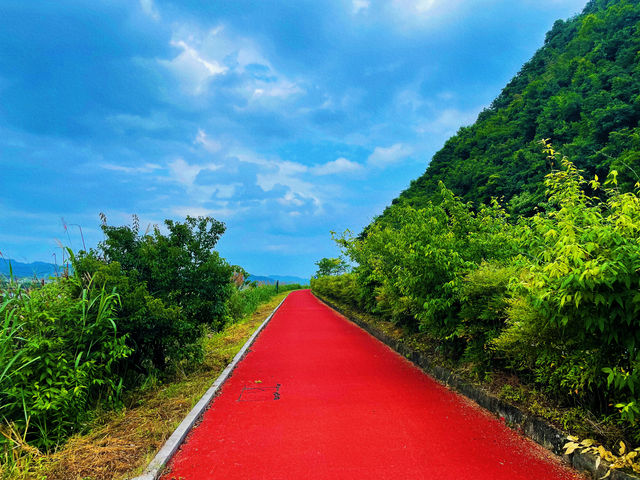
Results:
x,y
318,398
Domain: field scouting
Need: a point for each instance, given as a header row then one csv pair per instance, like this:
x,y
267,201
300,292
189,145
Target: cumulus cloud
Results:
x,y
286,174
384,156
218,52
279,89
224,211
424,6
186,174
339,165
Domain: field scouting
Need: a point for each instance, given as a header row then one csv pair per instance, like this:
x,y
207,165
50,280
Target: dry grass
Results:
x,y
122,443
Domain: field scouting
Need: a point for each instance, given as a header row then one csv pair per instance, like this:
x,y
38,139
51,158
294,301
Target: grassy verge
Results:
x,y
120,444
507,386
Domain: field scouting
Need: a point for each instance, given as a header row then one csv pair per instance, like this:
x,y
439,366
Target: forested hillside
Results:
x,y
580,90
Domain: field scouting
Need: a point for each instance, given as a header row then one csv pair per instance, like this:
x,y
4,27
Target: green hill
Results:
x,y
581,90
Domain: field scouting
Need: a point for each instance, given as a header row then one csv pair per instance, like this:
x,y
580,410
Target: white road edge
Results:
x,y
155,467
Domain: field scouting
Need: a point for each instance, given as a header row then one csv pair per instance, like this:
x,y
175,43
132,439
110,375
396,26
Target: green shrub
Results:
x,y
576,321
64,357
159,335
414,262
484,301
181,268
554,296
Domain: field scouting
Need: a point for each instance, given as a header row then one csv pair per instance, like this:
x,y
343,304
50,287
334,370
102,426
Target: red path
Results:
x,y
348,408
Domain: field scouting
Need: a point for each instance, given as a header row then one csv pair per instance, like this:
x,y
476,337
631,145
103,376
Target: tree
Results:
x,y
181,268
331,266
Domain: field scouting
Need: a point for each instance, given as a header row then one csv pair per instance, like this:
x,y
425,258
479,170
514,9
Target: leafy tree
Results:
x,y
331,266
181,267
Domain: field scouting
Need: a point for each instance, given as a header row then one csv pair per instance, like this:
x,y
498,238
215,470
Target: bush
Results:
x,y
181,268
484,301
159,335
414,262
63,357
578,299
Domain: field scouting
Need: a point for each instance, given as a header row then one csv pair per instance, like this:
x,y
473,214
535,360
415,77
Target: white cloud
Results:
x,y
422,7
211,146
185,174
421,14
381,156
285,174
192,68
359,5
226,190
280,89
149,9
219,51
339,165
146,168
154,121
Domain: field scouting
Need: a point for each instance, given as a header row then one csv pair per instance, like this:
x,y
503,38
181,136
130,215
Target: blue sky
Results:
x,y
283,119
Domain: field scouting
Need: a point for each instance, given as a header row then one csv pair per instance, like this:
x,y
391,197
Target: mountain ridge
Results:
x,y
579,90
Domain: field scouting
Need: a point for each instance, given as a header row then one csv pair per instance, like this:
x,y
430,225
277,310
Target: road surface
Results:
x,y
318,398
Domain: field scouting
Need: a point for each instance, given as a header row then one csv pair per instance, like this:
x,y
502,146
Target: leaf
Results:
x,y
623,448
570,447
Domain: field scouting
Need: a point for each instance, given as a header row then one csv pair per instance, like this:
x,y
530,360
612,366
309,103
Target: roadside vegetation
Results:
x,y
551,299
139,312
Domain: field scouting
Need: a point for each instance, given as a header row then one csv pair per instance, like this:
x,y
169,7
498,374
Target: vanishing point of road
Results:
x,y
316,397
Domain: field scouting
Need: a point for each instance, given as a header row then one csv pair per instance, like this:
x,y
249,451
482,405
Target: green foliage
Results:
x,y
416,261
60,360
576,314
580,90
181,268
554,297
133,310
331,266
338,287
483,313
158,334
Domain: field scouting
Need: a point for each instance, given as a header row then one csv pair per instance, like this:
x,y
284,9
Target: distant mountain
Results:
x,y
45,270
28,270
283,279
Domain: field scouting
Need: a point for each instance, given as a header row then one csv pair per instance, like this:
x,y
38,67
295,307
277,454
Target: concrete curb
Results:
x,y
155,467
537,429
